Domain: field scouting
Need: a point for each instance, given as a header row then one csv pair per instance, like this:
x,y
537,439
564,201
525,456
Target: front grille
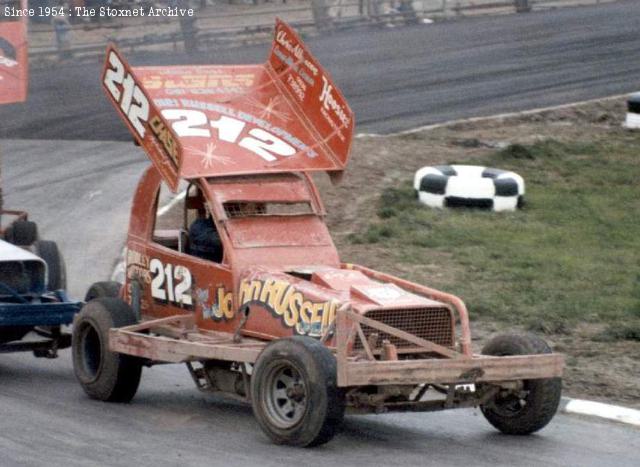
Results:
x,y
432,324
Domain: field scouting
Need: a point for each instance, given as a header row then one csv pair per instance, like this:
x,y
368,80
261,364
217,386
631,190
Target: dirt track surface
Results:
x,y
396,78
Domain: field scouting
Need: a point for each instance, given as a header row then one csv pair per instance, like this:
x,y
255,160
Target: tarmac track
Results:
x,y
79,192
395,78
46,420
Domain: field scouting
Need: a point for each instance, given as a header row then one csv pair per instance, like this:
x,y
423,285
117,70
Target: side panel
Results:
x,y
172,282
14,59
281,305
175,283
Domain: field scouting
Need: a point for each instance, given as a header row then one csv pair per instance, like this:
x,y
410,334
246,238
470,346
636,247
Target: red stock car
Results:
x,y
238,276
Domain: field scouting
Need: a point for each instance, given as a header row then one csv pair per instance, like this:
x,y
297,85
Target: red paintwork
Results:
x,y
14,65
285,269
315,123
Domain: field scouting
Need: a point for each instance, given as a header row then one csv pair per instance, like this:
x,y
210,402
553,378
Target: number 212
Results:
x,y
168,291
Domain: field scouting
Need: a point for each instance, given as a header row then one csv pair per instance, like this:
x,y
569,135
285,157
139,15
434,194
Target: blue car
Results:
x,y
33,302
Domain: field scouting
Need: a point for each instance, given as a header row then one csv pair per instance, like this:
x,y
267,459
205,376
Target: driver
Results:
x,y
204,240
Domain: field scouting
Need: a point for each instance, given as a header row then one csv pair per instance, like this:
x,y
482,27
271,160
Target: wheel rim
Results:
x,y
284,395
512,404
91,351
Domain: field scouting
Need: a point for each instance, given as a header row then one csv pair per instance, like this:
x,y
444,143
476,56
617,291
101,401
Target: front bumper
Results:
x,y
463,370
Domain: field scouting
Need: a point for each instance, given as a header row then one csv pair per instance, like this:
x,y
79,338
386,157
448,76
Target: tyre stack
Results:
x,y
469,186
633,112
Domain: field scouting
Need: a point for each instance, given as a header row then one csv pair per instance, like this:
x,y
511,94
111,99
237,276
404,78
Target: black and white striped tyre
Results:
x,y
633,112
469,186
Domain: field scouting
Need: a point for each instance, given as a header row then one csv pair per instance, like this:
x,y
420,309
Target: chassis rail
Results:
x,y
38,314
176,339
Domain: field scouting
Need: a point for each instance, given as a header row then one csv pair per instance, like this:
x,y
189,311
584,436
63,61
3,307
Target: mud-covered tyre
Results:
x,y
294,392
103,289
57,271
22,233
104,375
538,402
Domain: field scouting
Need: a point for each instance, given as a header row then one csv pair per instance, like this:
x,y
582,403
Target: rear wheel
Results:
x,y
103,374
57,271
532,406
22,233
294,392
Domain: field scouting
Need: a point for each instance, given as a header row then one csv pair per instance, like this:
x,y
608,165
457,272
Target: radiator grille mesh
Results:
x,y
432,324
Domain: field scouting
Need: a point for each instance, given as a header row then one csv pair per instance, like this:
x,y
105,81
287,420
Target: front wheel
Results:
x,y
104,375
294,392
530,407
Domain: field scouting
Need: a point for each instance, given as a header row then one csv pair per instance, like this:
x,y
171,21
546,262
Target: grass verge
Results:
x,y
572,254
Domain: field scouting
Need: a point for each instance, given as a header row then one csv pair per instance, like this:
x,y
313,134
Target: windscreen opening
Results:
x,y
240,209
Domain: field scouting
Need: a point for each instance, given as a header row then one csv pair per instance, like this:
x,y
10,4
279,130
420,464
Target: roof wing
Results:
x,y
208,121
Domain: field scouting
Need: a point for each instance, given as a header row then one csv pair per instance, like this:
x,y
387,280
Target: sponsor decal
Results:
x,y
303,69
199,83
294,49
304,316
137,270
163,134
138,266
329,102
7,62
297,86
222,307
124,90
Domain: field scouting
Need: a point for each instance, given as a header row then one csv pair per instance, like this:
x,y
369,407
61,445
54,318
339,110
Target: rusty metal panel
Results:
x,y
455,302
442,371
284,188
165,349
